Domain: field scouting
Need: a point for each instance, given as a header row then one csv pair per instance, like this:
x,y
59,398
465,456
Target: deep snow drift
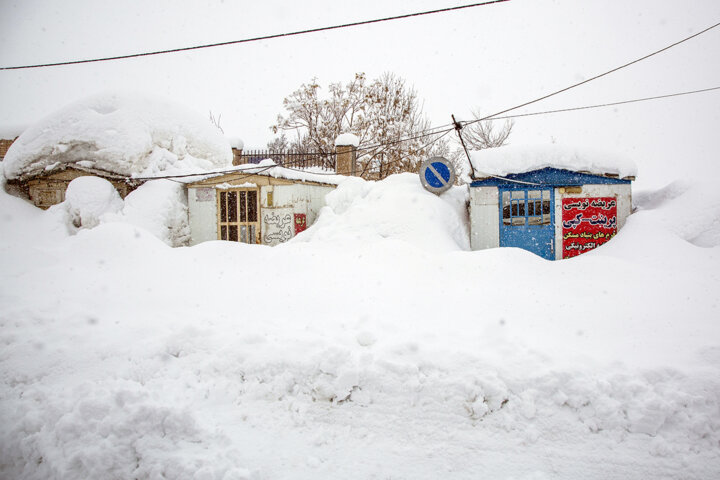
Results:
x,y
157,206
124,133
373,346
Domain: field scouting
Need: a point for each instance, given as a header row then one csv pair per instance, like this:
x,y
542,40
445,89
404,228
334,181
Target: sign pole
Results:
x,y
458,130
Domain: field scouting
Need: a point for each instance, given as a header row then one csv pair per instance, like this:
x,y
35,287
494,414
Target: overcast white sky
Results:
x,y
489,57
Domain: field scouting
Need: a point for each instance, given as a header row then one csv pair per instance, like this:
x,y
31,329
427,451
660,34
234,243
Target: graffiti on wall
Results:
x,y
587,223
277,225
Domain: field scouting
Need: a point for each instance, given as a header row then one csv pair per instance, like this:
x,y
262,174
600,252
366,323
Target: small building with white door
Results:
x,y
552,201
256,203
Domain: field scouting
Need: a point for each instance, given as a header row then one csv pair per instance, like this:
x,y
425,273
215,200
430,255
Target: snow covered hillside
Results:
x,y
375,345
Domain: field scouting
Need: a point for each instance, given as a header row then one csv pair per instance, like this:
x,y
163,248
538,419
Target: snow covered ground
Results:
x,y
373,346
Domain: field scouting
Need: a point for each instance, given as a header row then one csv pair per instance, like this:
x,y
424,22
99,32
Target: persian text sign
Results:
x,y
277,225
587,223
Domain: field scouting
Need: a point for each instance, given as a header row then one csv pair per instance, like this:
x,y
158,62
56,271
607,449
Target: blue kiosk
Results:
x,y
555,205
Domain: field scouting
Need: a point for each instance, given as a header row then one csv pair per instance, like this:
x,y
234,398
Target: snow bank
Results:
x,y
689,209
520,159
87,199
362,354
160,207
127,134
398,208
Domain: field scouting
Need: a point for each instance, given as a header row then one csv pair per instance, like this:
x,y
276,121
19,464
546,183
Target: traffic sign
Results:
x,y
437,175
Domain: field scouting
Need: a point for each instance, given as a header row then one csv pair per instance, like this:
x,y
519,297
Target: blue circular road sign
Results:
x,y
437,175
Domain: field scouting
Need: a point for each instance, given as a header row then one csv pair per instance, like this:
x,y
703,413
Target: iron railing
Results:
x,y
290,158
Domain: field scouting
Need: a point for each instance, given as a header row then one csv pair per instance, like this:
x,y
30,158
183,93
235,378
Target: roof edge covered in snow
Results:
x,y
268,168
508,160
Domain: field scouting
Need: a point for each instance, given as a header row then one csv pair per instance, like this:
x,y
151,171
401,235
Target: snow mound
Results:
x,y
122,133
160,207
520,159
11,131
689,209
397,208
88,198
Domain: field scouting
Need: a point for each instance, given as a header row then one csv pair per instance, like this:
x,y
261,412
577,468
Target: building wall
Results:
x,y
202,211
49,190
5,146
624,206
484,218
485,211
306,199
286,199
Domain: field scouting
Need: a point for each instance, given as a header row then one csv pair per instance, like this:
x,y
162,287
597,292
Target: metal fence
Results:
x,y
291,158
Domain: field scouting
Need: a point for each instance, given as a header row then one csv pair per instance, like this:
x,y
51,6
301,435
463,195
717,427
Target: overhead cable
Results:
x,y
600,105
433,131
257,39
595,77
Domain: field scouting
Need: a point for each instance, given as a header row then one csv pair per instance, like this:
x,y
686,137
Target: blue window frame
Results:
x,y
527,219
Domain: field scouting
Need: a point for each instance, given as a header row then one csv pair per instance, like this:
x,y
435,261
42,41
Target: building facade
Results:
x,y
554,213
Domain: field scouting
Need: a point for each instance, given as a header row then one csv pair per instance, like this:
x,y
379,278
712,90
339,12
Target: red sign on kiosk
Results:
x,y
587,223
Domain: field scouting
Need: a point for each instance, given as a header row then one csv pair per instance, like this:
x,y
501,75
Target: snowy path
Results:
x,y
123,358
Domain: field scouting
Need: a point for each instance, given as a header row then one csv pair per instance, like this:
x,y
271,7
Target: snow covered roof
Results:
x,y
128,134
9,132
520,159
269,168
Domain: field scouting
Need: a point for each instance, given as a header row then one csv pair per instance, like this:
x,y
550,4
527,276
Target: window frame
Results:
x,y
230,214
516,206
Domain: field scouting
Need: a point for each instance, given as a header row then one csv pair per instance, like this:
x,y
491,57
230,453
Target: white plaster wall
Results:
x,y
484,218
202,215
299,198
307,199
622,192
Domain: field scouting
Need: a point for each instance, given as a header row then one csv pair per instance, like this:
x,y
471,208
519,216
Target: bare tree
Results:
x,y
481,135
216,121
279,144
384,114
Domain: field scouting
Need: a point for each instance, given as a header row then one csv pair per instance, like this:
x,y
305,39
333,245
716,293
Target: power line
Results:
x,y
600,105
432,131
427,145
595,77
257,39
443,129
421,134
444,132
